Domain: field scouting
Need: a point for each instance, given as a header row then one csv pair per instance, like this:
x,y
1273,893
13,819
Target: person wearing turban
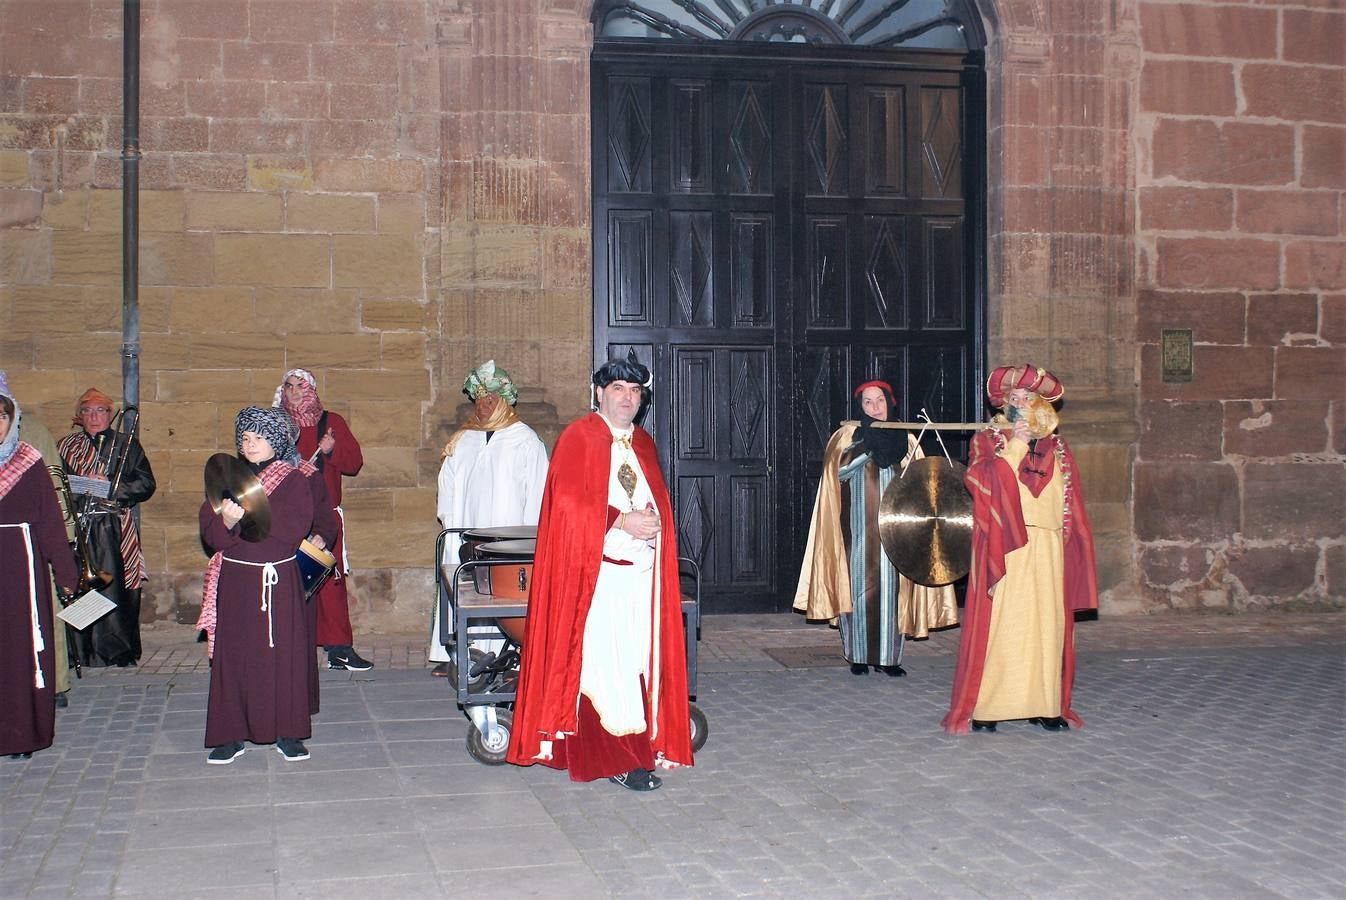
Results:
x,y
492,475
1032,564
326,441
253,606
846,577
33,547
96,451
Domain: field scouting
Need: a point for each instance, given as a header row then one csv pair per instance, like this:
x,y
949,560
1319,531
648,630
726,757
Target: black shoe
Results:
x,y
347,658
979,725
1050,723
62,701
638,780
292,749
894,671
30,756
224,754
859,669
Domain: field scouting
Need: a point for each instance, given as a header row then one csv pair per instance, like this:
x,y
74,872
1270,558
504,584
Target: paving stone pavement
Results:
x,y
1213,770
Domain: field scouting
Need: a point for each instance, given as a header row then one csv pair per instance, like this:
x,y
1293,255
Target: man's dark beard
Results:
x,y
886,446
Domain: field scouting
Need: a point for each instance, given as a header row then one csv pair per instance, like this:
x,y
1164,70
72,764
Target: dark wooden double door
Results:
x,y
770,230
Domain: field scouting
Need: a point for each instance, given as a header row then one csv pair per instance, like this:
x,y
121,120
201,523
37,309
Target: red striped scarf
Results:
x,y
82,456
271,478
14,467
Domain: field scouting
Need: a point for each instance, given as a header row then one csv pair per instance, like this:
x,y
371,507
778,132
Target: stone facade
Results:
x,y
389,191
1240,492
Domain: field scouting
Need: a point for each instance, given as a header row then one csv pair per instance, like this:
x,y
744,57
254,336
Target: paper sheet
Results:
x,y
86,610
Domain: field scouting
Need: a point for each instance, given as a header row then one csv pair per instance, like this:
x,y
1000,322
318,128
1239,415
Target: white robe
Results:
x,y
488,484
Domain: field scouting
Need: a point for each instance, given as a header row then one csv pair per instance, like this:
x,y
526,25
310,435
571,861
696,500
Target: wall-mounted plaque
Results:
x,y
1175,353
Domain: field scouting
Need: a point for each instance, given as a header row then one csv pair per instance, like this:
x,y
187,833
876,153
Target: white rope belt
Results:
x,y
38,644
270,577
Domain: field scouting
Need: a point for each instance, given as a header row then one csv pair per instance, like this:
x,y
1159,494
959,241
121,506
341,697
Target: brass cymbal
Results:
x,y
229,478
925,522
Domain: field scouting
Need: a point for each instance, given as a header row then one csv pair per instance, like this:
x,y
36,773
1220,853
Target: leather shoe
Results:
x,y
859,669
441,670
894,671
62,701
1050,723
637,780
979,725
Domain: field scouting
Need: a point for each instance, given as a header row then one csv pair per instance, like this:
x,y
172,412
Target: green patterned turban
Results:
x,y
488,378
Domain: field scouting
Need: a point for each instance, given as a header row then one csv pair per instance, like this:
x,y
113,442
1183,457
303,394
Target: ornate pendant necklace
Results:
x,y
626,475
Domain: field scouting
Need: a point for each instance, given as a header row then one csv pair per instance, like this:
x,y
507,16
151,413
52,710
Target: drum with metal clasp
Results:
x,y
509,581
476,537
315,565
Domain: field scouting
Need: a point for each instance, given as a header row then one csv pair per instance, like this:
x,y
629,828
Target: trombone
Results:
x,y
125,427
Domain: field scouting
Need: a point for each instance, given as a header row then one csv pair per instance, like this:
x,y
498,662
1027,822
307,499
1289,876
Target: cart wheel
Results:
x,y
699,727
491,752
474,685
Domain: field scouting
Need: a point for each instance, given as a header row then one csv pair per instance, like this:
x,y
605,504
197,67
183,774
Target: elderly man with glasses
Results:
x,y
96,452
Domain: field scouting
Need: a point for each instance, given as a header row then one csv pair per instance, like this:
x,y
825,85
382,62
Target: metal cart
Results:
x,y
485,683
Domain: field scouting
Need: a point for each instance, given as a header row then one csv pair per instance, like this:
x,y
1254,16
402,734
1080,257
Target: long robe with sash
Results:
x,y
1032,570
572,581
32,431
487,484
114,544
259,673
847,576
32,545
332,605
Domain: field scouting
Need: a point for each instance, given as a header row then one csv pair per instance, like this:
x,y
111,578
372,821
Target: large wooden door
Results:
x,y
771,228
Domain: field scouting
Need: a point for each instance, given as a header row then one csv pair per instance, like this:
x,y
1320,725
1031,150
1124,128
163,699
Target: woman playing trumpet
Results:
x,y
102,453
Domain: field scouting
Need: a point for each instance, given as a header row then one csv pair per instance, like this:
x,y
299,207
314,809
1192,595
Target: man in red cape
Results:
x,y
603,681
1032,564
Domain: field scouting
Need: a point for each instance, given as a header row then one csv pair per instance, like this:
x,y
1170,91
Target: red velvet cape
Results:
x,y
997,529
570,535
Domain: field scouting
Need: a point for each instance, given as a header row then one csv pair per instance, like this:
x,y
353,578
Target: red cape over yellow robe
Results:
x,y
998,529
570,534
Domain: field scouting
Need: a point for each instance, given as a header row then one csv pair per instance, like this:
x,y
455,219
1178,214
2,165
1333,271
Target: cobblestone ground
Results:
x,y
1211,771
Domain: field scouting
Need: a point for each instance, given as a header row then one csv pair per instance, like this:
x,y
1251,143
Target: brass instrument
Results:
x,y
123,436
66,499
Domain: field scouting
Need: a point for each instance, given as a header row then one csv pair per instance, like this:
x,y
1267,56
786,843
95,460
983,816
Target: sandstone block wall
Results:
x,y
1240,491
351,186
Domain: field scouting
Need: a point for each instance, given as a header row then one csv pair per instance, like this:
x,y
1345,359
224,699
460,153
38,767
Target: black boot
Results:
x,y
859,669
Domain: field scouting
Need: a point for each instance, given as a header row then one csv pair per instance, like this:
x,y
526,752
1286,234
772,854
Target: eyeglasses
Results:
x,y
90,410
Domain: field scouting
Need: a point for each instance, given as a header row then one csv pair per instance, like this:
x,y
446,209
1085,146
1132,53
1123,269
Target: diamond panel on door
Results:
x,y
941,143
696,521
748,410
750,138
629,135
690,270
886,272
825,140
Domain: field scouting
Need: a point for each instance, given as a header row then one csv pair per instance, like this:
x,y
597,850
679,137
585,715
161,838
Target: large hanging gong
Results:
x,y
925,522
